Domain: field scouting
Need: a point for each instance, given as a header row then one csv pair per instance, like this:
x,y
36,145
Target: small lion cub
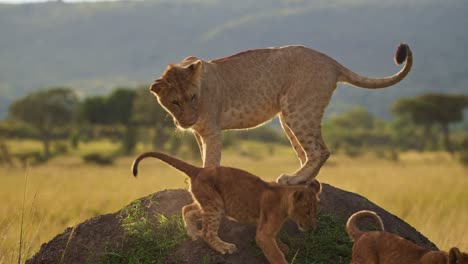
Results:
x,y
239,195
386,248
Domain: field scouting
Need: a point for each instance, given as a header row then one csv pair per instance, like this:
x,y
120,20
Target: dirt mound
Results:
x,y
87,242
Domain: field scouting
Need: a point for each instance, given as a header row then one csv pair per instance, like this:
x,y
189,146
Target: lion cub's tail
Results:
x,y
402,54
351,226
188,169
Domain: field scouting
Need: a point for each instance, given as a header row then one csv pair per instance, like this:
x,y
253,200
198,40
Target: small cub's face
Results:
x,y
178,91
457,257
303,207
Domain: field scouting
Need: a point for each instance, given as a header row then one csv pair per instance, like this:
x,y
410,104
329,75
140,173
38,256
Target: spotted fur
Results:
x,y
250,88
237,194
386,248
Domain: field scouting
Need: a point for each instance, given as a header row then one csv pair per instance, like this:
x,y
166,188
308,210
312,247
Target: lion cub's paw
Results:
x,y
194,234
227,248
290,180
284,248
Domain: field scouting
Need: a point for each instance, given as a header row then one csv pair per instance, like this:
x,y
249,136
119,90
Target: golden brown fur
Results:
x,y
382,247
237,194
250,88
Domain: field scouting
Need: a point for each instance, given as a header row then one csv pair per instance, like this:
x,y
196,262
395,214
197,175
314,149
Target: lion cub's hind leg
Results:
x,y
191,213
294,143
304,120
211,218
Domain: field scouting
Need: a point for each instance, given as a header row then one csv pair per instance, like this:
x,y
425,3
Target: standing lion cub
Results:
x,y
239,195
250,88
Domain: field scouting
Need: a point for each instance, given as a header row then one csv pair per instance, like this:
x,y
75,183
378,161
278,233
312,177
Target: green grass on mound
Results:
x,y
329,243
153,241
147,241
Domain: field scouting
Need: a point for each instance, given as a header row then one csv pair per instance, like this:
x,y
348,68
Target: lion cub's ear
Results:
x,y
157,86
298,196
317,187
191,58
195,69
454,255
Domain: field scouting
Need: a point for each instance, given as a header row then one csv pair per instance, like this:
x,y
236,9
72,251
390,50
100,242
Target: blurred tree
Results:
x,y
147,112
119,106
45,110
95,110
114,109
417,111
355,130
404,132
356,118
430,109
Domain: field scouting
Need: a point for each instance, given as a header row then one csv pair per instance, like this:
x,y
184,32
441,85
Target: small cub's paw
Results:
x,y
227,248
284,248
290,180
231,248
194,235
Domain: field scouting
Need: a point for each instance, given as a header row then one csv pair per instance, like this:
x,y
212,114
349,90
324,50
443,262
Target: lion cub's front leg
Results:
x,y
282,246
212,148
267,239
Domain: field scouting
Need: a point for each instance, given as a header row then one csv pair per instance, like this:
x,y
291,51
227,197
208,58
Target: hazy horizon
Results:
x,y
43,1
94,48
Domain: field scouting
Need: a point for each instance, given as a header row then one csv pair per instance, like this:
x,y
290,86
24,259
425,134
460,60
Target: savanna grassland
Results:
x,y
428,190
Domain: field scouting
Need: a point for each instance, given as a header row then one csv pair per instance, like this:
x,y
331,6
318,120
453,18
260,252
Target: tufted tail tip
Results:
x,y
402,53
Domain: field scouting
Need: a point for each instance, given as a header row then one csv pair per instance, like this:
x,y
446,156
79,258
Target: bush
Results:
x,y
464,157
60,148
351,151
174,144
263,134
98,158
464,151
31,158
129,140
74,140
389,154
5,155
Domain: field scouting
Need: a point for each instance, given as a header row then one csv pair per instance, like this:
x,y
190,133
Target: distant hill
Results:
x,y
94,47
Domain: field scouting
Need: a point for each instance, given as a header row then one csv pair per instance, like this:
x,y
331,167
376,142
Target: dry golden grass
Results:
x,y
430,191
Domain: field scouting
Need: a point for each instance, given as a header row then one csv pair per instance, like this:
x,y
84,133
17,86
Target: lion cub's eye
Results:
x,y
175,103
194,97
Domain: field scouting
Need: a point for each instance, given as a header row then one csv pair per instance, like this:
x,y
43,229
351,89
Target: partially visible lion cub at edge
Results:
x,y
250,88
244,197
385,248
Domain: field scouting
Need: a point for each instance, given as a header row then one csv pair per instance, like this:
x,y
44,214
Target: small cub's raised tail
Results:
x,y
351,226
186,168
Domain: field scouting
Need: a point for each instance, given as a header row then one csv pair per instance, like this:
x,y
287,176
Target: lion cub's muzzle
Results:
x,y
186,120
185,123
307,227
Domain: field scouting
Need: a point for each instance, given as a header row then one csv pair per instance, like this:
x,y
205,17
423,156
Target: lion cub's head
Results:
x,y
178,90
457,257
303,206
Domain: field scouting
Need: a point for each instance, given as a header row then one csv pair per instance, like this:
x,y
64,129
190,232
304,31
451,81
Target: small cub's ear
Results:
x,y
157,85
298,196
317,186
195,69
454,255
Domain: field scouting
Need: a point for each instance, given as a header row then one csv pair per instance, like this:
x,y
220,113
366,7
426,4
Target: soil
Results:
x,y
87,241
